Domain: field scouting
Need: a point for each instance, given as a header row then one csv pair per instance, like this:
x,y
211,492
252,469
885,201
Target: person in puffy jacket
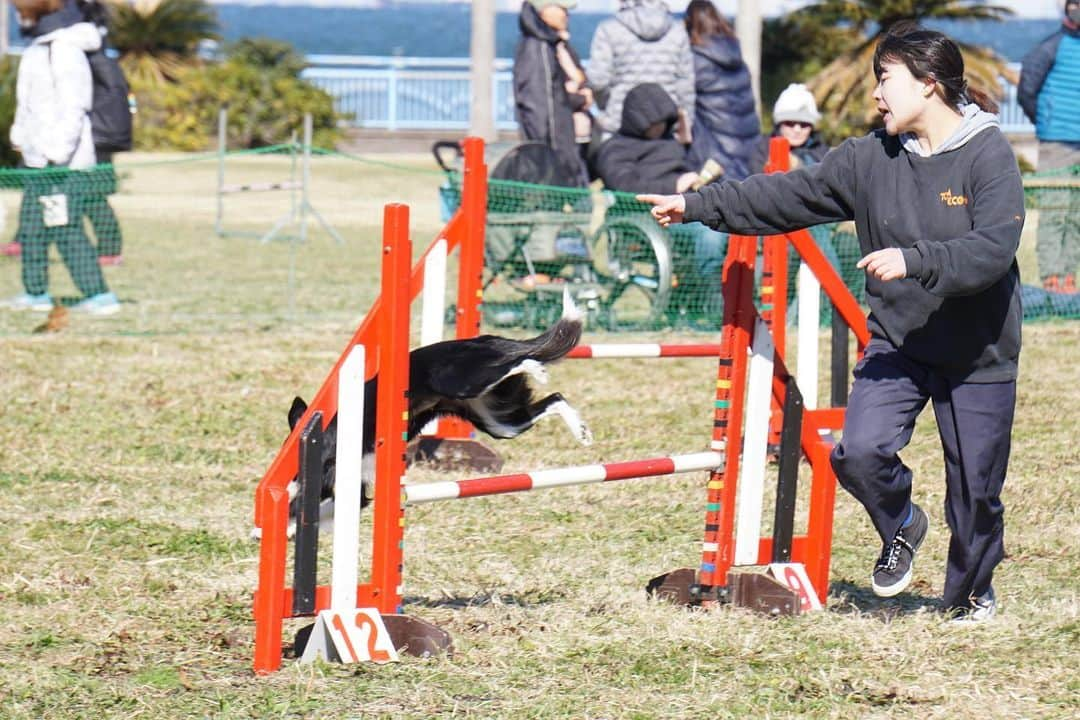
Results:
x,y
726,124
641,44
54,92
545,108
644,156
1049,93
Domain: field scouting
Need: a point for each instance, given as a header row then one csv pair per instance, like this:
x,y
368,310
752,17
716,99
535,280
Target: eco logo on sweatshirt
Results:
x,y
947,198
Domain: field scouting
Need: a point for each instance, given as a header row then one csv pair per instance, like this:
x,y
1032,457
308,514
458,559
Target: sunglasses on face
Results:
x,y
797,124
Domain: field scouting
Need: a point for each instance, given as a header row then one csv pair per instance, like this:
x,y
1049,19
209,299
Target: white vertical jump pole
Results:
x,y
433,311
755,446
806,368
348,486
433,308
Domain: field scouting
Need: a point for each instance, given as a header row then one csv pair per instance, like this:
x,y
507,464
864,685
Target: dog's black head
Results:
x,y
329,447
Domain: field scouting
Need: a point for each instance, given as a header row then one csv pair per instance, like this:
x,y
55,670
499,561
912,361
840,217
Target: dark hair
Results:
x,y
703,21
33,10
94,12
929,54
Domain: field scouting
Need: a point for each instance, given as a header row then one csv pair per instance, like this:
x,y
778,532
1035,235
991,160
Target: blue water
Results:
x,y
443,30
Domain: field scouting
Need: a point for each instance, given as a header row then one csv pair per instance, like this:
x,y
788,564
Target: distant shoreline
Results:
x,y
401,31
405,30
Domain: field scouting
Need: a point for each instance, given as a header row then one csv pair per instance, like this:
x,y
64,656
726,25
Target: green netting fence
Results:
x,y
631,274
183,258
146,230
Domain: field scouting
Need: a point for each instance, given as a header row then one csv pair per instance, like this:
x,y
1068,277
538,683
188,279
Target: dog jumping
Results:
x,y
484,380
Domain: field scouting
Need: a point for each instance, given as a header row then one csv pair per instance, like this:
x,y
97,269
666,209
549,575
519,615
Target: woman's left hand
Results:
x,y
885,265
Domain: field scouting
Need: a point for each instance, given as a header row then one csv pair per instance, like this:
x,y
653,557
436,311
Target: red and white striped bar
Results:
x,y
644,350
581,475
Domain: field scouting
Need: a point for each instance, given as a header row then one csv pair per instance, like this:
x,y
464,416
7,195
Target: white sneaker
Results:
x,y
979,610
26,301
101,304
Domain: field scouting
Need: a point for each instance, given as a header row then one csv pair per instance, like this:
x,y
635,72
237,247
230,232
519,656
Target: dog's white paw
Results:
x,y
256,532
570,416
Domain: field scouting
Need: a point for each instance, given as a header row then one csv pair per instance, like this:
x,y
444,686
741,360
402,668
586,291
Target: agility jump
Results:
x,y
385,329
273,601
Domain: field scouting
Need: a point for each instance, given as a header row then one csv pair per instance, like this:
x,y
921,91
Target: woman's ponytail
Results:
x,y
980,98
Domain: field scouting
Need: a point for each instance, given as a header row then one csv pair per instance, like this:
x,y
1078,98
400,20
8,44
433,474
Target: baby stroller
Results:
x,y
544,235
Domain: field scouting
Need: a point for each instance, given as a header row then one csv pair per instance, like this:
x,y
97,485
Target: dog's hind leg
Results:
x,y
504,418
555,404
533,368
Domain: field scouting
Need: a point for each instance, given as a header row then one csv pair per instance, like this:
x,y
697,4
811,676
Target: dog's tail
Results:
x,y
560,338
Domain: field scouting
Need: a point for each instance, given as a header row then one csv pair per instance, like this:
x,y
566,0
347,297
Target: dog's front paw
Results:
x,y
585,435
290,531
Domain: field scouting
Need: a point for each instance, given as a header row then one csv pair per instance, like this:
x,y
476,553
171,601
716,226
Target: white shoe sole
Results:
x,y
31,308
105,310
894,589
977,616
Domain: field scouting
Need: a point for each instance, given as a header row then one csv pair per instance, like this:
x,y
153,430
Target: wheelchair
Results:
x,y
544,234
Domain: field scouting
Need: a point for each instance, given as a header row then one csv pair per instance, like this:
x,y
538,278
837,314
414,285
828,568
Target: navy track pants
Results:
x,y
975,425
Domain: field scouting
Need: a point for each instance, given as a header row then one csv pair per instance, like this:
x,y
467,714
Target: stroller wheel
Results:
x,y
634,268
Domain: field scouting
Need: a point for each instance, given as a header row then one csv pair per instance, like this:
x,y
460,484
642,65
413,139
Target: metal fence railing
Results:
x,y
434,93
397,93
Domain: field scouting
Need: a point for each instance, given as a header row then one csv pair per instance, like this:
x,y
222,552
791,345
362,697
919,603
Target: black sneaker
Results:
x,y
892,573
978,610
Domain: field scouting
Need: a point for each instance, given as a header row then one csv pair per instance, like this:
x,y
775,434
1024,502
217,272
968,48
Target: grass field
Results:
x,y
132,447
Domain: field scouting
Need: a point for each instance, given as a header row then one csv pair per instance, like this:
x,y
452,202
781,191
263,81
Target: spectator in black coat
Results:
x,y
544,106
726,124
644,156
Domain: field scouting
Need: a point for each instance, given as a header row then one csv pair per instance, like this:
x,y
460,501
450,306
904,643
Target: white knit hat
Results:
x,y
797,104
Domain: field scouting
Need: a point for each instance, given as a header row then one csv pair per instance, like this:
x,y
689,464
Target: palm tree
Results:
x,y
157,39
843,88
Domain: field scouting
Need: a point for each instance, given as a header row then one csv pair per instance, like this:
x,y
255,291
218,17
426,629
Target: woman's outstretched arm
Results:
x,y
769,204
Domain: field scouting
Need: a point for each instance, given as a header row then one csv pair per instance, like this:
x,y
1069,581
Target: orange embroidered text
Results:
x,y
948,198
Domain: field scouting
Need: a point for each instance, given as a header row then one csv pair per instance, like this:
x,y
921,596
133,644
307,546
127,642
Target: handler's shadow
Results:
x,y
849,599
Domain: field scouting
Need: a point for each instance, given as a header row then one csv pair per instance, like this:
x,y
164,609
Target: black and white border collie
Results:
x,y
484,380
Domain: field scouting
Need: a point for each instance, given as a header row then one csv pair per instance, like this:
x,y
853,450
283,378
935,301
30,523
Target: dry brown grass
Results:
x,y
128,466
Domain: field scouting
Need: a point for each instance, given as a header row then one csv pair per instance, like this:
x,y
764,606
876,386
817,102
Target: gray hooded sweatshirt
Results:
x,y
642,43
956,215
